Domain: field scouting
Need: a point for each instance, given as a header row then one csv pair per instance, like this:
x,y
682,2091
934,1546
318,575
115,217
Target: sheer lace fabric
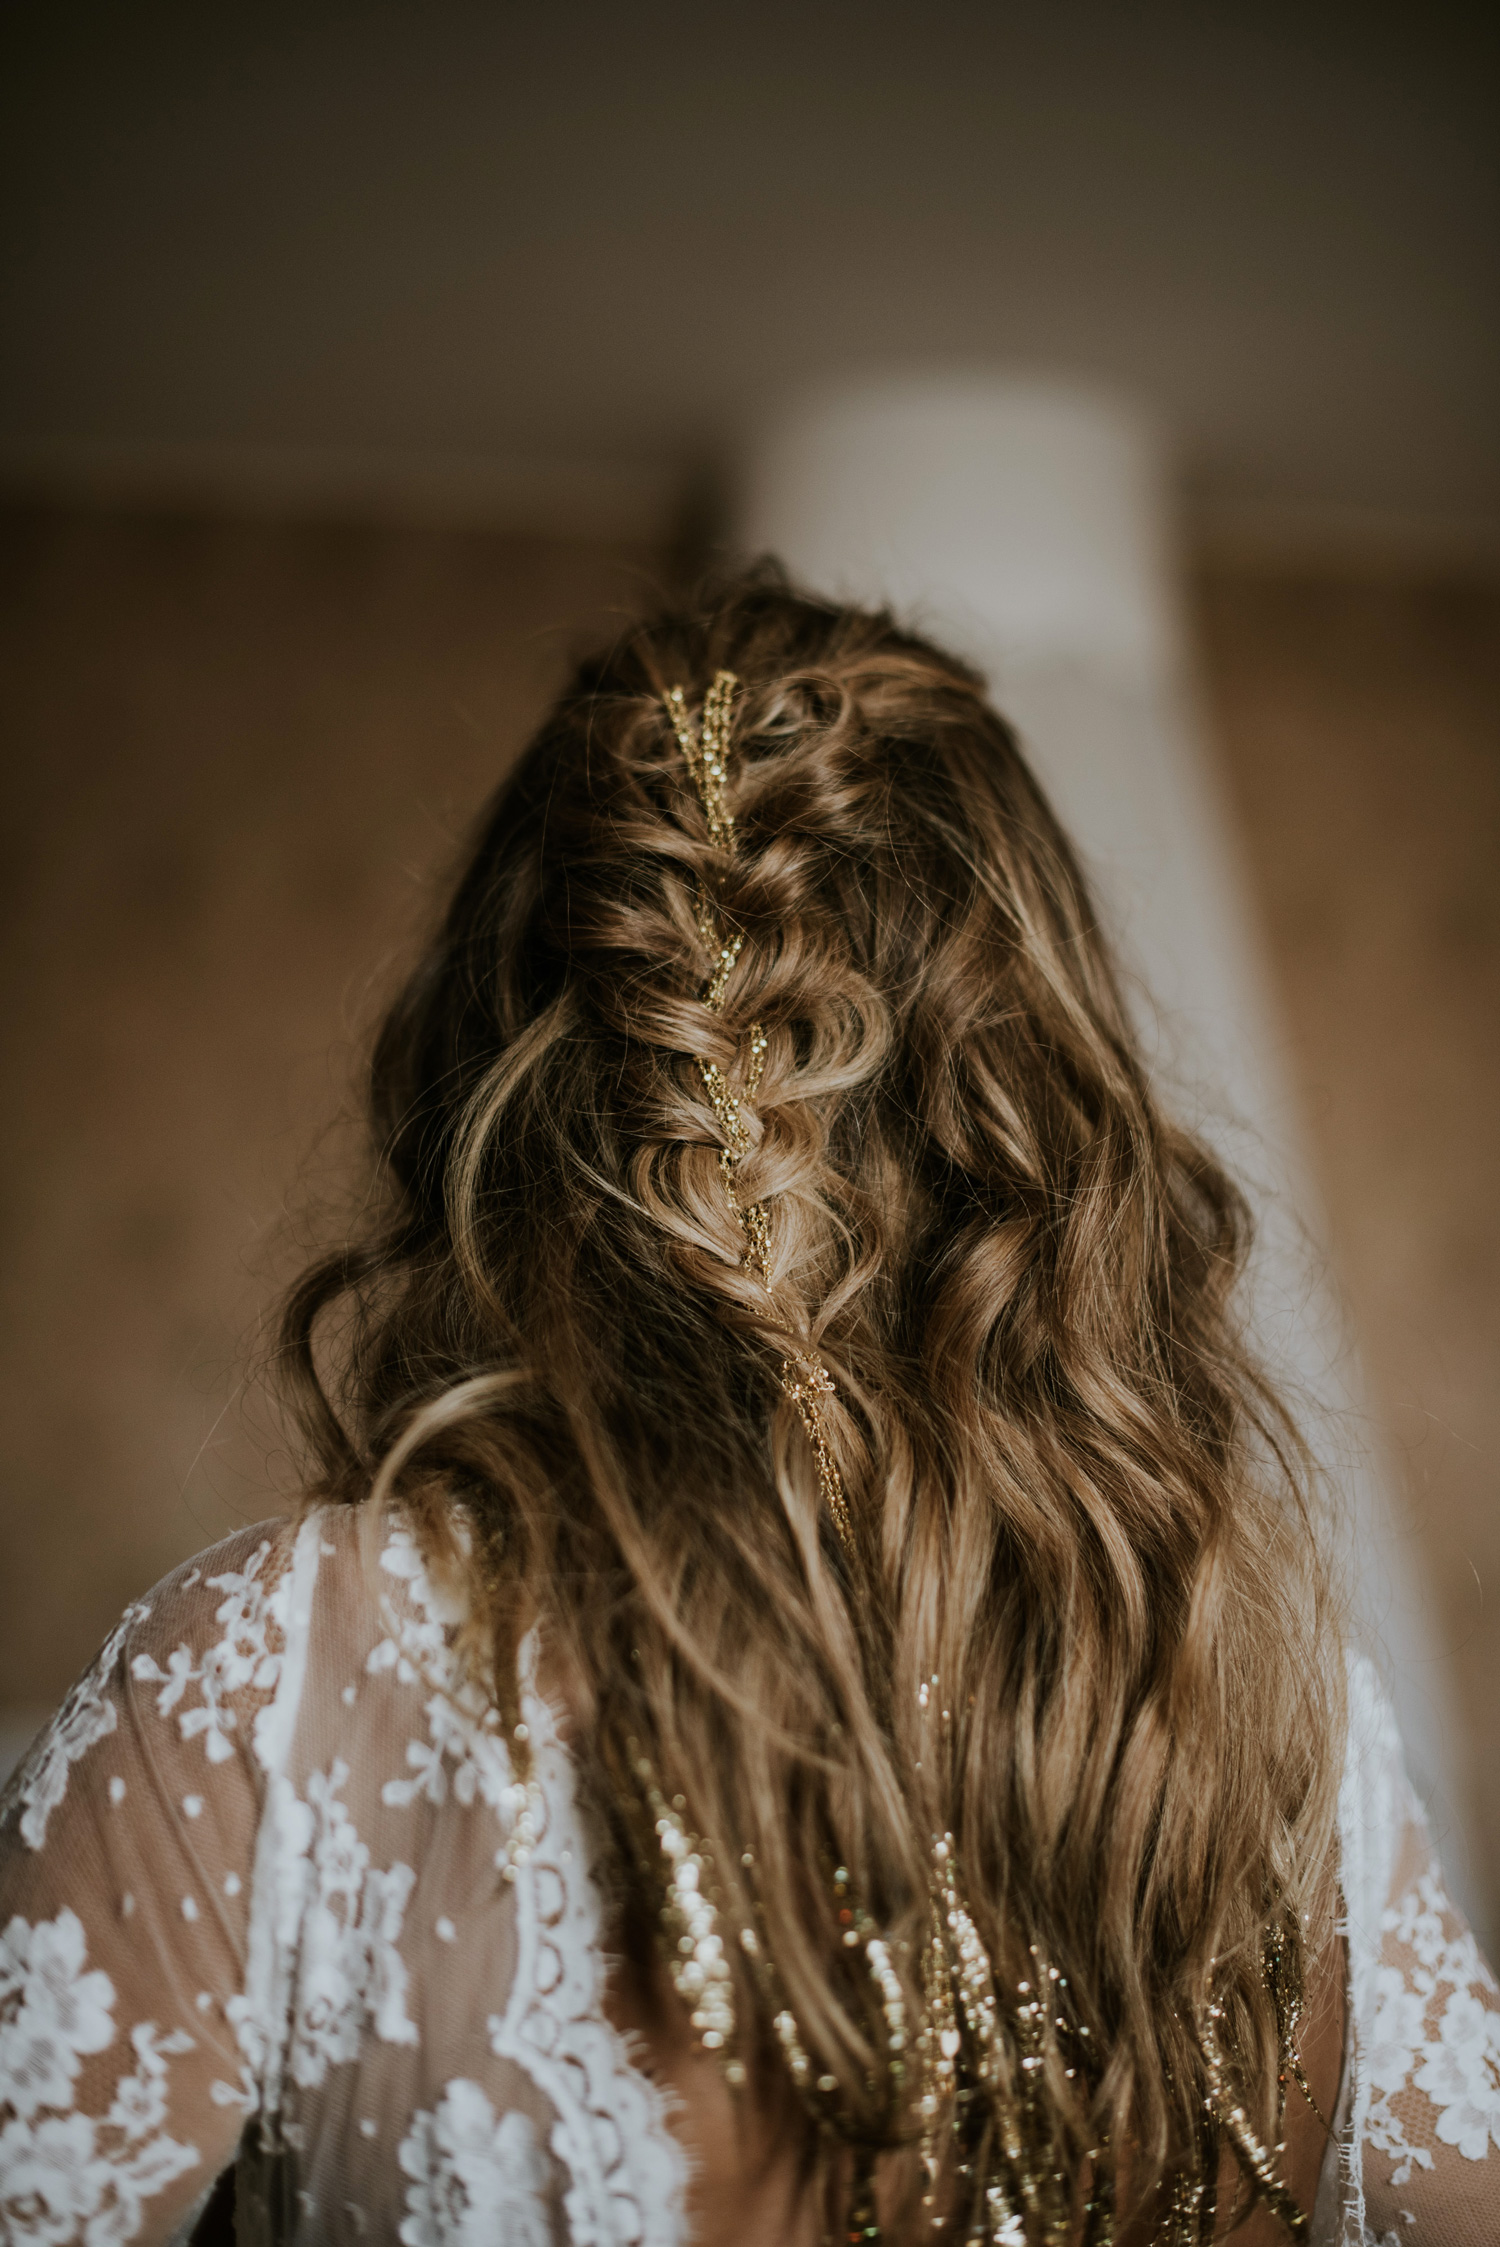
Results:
x,y
1432,2124
254,1912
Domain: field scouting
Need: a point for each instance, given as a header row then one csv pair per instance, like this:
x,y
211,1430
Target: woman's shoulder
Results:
x,y
187,1672
242,1616
240,1604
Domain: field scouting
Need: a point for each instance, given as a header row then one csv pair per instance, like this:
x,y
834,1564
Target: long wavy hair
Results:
x,y
1080,1509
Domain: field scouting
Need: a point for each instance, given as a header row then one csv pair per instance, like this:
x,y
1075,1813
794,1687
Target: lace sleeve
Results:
x,y
126,1840
1432,2129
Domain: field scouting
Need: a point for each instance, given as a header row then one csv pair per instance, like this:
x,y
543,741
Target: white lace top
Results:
x,y
253,1913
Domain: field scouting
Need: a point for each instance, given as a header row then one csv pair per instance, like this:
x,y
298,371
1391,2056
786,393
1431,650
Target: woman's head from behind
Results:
x,y
1077,1625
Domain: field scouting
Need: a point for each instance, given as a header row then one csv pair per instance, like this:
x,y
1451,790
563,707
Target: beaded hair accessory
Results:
x,y
805,1379
965,2079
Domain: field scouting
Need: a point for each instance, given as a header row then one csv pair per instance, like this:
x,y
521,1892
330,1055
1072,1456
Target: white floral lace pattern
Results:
x,y
329,1932
475,2181
52,2013
350,1971
465,1747
66,2176
627,2173
1437,2032
244,1657
87,1716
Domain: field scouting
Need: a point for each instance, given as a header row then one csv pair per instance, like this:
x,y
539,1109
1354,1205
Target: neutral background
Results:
x,y
361,362
480,254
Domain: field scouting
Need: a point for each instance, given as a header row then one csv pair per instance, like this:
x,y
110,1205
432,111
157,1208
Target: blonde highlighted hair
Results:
x,y
1077,1503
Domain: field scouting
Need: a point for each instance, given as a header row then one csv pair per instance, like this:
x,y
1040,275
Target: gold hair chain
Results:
x,y
969,2070
805,1380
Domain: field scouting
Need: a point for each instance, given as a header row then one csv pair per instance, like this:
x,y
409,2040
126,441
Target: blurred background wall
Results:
x,y
361,362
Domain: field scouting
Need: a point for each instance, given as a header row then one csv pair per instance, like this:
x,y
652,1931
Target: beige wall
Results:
x,y
1359,725
236,754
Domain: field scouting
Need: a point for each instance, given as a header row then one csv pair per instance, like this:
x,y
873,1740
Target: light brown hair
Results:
x,y
1078,1504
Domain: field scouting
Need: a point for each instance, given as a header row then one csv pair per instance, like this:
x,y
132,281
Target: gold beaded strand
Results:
x,y
696,1958
804,1378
